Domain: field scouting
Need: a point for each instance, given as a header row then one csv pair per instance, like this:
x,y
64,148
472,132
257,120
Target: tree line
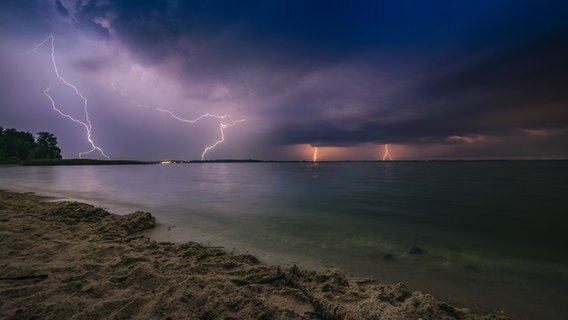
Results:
x,y
17,146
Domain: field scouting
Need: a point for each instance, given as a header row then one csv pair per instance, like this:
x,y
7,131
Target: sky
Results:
x,y
432,79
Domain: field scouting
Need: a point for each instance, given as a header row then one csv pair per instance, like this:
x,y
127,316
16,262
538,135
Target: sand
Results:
x,y
69,260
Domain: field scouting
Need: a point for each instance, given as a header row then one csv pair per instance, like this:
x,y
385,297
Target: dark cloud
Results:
x,y
89,17
91,63
345,73
61,9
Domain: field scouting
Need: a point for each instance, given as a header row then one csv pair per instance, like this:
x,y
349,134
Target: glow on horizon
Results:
x,y
88,125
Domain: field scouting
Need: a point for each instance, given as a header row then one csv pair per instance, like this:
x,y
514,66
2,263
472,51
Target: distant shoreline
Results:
x,y
80,162
95,162
355,161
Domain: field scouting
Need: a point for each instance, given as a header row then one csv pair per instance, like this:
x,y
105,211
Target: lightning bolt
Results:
x,y
194,120
315,154
387,154
87,128
87,125
222,119
223,126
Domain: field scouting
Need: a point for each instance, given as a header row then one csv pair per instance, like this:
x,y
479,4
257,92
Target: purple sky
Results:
x,y
445,80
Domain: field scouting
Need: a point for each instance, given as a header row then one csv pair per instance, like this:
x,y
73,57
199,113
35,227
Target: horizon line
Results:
x,y
324,161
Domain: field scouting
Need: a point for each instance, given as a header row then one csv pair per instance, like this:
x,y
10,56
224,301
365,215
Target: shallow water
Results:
x,y
493,232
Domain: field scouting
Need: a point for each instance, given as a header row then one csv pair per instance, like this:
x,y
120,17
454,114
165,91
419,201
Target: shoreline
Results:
x,y
69,258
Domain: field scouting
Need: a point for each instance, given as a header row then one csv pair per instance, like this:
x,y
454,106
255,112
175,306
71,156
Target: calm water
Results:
x,y
494,233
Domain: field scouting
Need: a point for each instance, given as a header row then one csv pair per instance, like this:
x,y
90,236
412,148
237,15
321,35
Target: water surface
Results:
x,y
493,232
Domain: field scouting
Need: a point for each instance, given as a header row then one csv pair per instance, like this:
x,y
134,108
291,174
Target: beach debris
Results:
x,y
27,277
415,250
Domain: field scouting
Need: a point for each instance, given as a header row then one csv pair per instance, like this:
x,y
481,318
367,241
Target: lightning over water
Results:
x,y
223,126
87,123
225,120
387,154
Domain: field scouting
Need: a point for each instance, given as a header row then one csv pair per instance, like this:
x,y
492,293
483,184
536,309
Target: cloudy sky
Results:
x,y
434,79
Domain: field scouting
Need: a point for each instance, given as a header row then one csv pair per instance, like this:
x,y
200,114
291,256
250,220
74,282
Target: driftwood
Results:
x,y
319,310
29,277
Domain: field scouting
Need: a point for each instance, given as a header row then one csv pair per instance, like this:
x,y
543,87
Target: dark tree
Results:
x,y
18,145
46,146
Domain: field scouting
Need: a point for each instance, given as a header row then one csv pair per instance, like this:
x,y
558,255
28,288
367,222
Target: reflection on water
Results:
x,y
492,232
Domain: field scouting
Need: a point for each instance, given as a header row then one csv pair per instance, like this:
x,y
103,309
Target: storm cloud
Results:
x,y
451,75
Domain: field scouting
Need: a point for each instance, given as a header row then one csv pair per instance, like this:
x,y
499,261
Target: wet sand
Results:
x,y
62,260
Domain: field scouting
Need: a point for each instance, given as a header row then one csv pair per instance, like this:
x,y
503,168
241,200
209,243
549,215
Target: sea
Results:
x,y
493,235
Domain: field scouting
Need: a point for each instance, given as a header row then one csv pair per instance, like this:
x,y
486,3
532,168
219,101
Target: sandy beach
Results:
x,y
62,260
